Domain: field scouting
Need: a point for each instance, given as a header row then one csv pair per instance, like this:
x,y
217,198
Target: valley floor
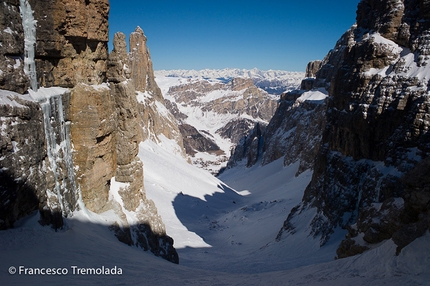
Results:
x,y
224,229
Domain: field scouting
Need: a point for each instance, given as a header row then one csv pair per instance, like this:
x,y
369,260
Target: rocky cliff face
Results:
x,y
293,133
12,76
75,147
376,137
72,41
22,147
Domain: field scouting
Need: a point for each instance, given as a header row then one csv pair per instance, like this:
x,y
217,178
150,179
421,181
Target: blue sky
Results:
x,y
268,34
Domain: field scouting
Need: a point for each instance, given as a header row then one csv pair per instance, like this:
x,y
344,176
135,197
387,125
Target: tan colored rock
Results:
x,y
93,116
139,59
155,118
129,132
118,62
72,41
241,83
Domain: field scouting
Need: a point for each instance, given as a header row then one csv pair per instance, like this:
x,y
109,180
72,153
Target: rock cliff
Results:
x,y
293,133
22,146
12,76
73,142
72,39
376,137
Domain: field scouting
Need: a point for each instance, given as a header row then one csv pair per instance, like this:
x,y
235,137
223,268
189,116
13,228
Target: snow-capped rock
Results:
x,y
376,134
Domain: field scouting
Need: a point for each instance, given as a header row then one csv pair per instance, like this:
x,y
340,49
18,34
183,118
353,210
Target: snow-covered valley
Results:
x,y
224,235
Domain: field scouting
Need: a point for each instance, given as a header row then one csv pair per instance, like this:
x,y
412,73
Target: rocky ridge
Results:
x,y
368,172
81,141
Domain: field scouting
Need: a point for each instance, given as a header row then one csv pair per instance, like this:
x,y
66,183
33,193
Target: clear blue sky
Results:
x,y
199,34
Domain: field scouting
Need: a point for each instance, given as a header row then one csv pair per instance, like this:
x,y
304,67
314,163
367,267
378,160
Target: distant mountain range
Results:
x,y
272,81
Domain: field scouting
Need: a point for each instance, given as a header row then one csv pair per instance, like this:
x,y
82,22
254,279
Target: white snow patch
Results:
x,y
43,93
101,87
143,97
317,95
8,30
17,63
11,98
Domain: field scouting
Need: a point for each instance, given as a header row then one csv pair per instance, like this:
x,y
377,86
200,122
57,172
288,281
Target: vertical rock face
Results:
x,y
72,38
93,132
156,120
377,128
36,157
311,69
295,131
139,60
12,76
22,157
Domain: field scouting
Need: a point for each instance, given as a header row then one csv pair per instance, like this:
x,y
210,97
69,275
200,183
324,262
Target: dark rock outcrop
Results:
x,y
377,128
249,147
22,149
235,129
195,142
311,69
12,76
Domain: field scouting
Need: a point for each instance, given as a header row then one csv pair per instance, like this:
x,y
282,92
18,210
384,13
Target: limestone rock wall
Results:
x,y
134,71
377,129
124,72
72,38
93,133
12,76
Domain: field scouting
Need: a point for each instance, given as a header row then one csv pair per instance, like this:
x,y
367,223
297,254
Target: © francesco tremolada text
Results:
x,y
73,270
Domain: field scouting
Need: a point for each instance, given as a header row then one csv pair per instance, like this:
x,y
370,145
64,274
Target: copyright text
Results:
x,y
72,270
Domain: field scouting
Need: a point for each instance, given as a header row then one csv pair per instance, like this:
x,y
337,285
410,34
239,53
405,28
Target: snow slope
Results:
x,y
225,236
209,220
